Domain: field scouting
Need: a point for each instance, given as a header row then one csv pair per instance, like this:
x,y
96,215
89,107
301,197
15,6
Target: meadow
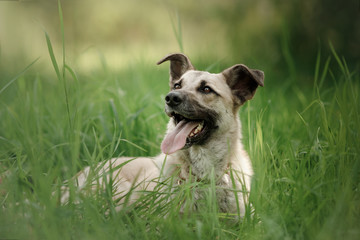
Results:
x,y
303,141
303,138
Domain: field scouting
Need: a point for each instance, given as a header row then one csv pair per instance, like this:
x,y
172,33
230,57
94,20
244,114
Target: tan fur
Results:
x,y
222,153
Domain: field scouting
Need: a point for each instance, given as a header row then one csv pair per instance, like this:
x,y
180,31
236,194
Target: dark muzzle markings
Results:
x,y
193,122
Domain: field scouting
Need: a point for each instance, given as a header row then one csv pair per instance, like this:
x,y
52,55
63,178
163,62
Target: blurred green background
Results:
x,y
301,130
283,37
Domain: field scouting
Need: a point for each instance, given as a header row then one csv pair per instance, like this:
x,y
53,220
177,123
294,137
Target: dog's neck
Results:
x,y
211,158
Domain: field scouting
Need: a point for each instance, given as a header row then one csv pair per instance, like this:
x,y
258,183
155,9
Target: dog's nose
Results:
x,y
173,99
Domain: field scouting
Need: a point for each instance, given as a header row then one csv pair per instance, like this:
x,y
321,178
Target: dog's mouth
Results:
x,y
187,131
196,131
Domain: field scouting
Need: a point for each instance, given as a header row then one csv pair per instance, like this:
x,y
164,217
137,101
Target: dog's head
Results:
x,y
202,103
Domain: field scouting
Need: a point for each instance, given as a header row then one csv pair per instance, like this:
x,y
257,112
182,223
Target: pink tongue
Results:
x,y
176,139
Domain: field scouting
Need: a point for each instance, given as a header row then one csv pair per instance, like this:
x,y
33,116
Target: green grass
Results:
x,y
303,141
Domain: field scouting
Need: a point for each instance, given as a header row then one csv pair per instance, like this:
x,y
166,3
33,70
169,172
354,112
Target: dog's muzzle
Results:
x,y
193,123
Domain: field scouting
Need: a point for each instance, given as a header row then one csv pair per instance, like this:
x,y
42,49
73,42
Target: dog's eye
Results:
x,y
177,86
207,89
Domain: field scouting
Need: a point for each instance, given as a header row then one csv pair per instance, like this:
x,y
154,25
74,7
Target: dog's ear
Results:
x,y
243,82
179,64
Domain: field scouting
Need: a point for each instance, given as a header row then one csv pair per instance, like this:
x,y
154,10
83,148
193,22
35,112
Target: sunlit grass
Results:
x,y
303,141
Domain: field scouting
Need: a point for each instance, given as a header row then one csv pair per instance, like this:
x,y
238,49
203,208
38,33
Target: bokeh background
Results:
x,y
301,130
281,36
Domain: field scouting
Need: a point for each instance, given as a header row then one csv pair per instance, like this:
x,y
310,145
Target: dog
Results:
x,y
202,141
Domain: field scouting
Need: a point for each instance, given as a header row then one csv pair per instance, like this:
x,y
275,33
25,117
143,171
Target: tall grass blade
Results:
x,y
62,38
61,76
317,70
177,31
72,73
52,56
337,58
19,74
64,64
325,71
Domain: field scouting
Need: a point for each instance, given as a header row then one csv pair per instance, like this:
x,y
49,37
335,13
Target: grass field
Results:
x,y
304,142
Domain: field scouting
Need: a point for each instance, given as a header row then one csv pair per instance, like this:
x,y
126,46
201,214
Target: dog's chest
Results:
x,y
203,162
